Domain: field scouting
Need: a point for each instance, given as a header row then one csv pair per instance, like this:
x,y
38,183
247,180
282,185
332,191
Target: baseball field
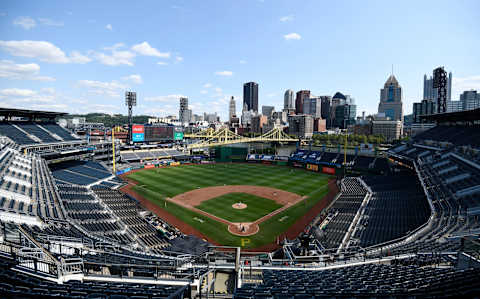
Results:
x,y
242,204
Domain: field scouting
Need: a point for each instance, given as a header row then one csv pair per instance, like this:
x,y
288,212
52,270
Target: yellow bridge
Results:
x,y
224,137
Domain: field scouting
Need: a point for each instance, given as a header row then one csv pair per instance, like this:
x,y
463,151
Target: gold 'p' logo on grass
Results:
x,y
244,242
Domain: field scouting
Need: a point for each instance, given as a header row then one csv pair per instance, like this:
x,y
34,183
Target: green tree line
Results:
x,y
352,139
111,120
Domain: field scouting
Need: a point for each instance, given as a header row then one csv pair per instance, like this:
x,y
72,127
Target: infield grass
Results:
x,y
158,183
222,206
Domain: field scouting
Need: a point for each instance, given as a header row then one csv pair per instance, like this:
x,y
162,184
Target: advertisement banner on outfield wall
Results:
x,y
312,167
328,170
149,166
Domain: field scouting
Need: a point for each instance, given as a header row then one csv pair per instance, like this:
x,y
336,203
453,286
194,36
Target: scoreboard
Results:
x,y
156,133
138,133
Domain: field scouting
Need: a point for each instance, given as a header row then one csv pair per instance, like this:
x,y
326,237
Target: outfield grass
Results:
x,y
159,183
221,206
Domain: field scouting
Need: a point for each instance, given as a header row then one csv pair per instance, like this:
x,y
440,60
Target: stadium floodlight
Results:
x,y
130,101
130,98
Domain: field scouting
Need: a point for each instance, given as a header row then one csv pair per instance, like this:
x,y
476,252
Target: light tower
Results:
x,y
130,101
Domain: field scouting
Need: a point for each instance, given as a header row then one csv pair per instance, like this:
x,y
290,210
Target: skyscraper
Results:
x,y
231,110
337,100
288,100
425,107
300,125
470,99
326,101
427,88
440,83
345,115
184,114
391,99
301,96
250,96
313,106
431,93
267,110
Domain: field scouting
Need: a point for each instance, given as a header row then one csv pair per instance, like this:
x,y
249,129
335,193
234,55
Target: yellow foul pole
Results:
x,y
113,149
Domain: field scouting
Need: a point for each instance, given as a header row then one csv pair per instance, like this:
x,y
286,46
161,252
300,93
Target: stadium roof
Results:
x,y
460,116
10,112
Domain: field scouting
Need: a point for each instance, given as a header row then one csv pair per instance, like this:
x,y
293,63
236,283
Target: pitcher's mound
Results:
x,y
239,206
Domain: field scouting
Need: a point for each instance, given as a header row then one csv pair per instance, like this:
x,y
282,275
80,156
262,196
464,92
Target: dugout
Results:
x,y
229,154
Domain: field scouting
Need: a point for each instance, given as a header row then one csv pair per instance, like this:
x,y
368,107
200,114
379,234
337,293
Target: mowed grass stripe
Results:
x,y
193,178
221,206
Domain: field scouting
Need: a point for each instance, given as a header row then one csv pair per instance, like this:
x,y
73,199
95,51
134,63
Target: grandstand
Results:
x,y
325,158
25,133
80,172
154,154
407,224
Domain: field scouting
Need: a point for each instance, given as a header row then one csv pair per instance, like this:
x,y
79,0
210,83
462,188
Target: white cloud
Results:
x,y
137,79
26,98
243,61
114,47
111,89
271,95
50,22
26,22
43,78
460,85
207,85
203,91
76,57
109,27
48,90
162,63
224,73
218,89
42,50
147,50
164,99
11,70
287,18
292,36
116,58
126,57
49,107
17,92
179,58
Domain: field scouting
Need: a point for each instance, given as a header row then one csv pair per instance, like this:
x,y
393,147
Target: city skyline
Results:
x,y
65,57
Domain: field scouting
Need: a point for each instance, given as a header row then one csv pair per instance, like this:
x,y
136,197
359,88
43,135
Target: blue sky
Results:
x,y
80,56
